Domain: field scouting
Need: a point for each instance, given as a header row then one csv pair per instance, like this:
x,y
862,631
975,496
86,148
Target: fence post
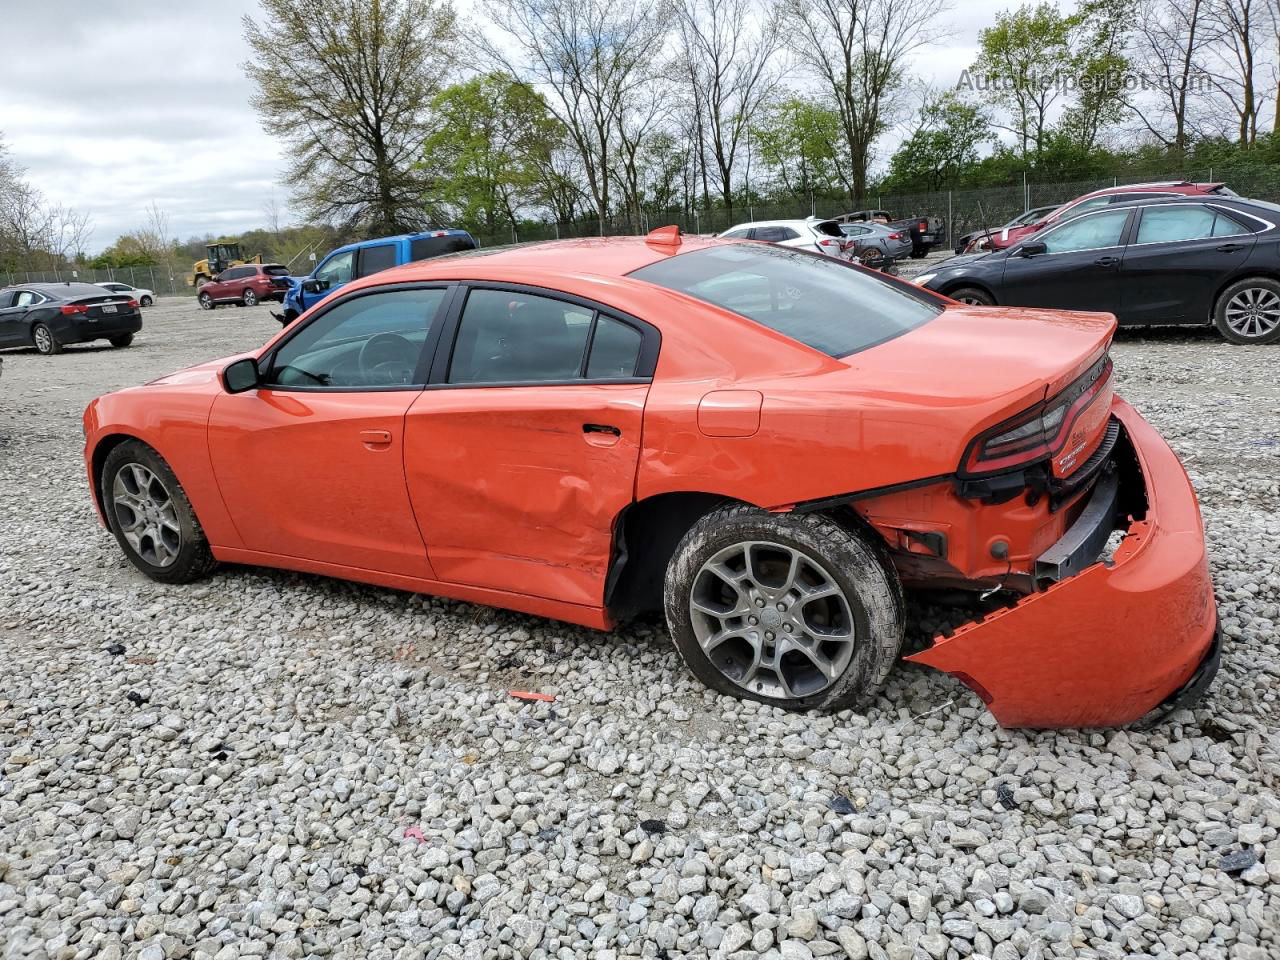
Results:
x,y
950,218
152,271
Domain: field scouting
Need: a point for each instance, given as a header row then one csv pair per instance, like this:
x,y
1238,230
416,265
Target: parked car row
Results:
x,y
1183,259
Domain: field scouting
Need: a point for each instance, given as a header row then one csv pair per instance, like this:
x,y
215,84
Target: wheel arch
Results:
x,y
647,532
1244,273
951,287
97,460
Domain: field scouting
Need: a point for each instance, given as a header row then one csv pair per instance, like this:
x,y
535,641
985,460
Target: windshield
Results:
x,y
819,301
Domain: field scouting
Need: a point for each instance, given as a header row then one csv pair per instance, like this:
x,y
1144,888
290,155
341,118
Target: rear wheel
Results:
x,y
151,517
206,301
973,296
1249,311
44,340
249,299
792,610
123,340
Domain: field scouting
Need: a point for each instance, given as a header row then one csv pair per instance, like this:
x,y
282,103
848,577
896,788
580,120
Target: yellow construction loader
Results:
x,y
220,256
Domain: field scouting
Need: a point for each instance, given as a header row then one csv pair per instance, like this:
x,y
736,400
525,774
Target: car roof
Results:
x,y
374,241
67,288
597,257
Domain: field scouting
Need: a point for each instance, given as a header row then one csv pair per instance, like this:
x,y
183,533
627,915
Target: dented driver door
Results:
x,y
523,450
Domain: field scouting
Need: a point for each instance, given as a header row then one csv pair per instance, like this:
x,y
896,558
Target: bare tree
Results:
x,y
593,56
347,83
858,50
1172,36
1235,64
729,48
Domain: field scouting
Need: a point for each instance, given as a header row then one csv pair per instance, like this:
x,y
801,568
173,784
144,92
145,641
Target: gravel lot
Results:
x,y
271,764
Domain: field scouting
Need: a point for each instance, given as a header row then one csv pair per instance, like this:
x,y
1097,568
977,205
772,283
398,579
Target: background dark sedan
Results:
x,y
1184,260
48,316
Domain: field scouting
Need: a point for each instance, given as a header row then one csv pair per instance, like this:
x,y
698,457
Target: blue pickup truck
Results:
x,y
339,267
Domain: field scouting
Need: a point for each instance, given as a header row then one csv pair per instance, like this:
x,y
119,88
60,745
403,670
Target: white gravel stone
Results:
x,y
282,765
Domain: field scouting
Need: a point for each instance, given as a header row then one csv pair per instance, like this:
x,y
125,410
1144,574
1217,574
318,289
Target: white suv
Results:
x,y
818,236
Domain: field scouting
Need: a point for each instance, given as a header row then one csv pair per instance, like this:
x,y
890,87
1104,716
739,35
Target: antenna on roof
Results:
x,y
665,236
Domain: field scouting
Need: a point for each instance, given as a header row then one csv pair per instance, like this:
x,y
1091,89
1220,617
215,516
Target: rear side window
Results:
x,y
615,349
742,234
507,337
1192,222
775,234
424,248
373,259
818,301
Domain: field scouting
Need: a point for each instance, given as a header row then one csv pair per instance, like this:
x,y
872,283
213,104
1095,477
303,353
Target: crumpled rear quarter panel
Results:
x,y
1105,647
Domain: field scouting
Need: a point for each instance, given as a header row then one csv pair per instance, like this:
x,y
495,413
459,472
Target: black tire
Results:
x,y
851,561
1262,291
248,298
122,341
972,295
43,339
145,302
919,253
194,560
206,301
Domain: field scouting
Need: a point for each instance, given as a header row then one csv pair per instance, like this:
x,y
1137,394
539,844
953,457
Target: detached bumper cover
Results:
x,y
1115,642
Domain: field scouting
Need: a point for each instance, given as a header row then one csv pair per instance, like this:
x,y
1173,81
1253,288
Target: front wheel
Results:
x,y
1249,311
151,517
792,610
206,301
44,340
122,341
145,302
972,296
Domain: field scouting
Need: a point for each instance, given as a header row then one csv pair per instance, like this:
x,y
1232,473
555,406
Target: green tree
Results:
x,y
348,85
487,148
944,144
1100,38
800,142
1019,62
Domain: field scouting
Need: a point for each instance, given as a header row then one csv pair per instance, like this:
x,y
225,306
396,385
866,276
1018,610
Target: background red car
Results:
x,y
1007,237
246,285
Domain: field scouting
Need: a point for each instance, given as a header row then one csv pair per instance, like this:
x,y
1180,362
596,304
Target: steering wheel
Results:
x,y
385,359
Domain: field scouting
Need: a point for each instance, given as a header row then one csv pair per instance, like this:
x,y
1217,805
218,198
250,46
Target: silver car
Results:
x,y
888,243
818,236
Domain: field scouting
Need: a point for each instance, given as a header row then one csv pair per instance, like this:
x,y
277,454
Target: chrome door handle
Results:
x,y
1107,261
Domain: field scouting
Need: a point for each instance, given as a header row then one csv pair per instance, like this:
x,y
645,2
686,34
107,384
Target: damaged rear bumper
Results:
x,y
1114,642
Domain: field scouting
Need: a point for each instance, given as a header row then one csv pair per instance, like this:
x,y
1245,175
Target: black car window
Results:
x,y
1225,226
851,231
237,273
1173,223
775,234
370,341
26,298
374,259
424,248
276,270
742,234
818,301
509,337
828,227
1087,233
615,348
338,269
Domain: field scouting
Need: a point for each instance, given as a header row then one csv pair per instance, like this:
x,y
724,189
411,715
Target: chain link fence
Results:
x,y
963,210
164,280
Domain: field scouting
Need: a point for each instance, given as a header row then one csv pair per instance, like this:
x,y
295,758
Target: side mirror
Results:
x,y
1032,248
315,286
241,376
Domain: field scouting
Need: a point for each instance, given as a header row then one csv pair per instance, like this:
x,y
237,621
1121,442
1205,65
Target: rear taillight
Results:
x,y
72,308
829,242
132,304
895,236
924,224
1038,433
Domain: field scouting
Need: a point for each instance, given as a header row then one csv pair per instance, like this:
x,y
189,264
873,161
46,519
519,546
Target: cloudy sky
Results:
x,y
118,103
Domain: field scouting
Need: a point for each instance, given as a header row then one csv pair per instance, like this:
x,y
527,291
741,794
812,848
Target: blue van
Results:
x,y
339,267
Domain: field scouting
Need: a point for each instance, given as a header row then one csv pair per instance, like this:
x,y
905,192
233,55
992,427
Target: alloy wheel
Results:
x,y
772,620
146,514
250,298
43,339
1253,312
972,301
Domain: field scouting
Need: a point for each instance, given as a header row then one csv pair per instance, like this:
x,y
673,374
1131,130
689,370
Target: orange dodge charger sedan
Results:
x,y
766,444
